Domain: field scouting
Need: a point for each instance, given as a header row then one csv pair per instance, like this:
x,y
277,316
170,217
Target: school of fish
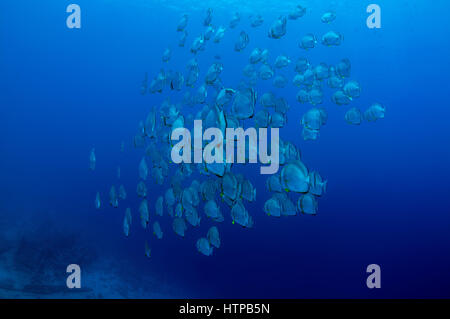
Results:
x,y
192,193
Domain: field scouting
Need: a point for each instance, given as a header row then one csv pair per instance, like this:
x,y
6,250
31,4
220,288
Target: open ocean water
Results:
x,y
65,91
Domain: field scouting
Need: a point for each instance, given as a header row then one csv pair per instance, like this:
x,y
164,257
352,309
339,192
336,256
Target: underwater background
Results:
x,y
64,91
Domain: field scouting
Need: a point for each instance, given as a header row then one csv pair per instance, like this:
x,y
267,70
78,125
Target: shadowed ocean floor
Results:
x,y
33,261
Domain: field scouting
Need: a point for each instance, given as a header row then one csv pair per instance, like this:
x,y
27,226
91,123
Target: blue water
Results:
x,y
65,91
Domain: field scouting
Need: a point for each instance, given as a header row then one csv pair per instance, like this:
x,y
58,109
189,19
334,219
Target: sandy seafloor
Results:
x,y
33,262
